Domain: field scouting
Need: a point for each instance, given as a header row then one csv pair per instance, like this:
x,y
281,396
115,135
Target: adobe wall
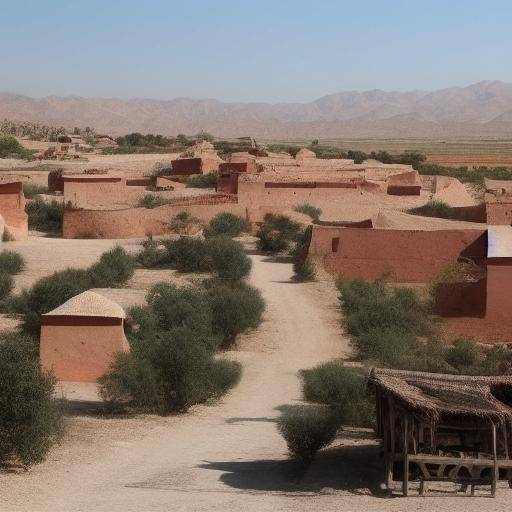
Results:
x,y
12,210
81,352
456,299
499,213
260,196
186,166
401,255
84,192
496,326
140,222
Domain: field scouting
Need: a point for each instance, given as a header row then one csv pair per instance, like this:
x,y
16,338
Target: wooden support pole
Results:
x,y
405,482
505,438
495,474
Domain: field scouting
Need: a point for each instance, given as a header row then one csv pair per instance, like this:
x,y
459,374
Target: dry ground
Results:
x,y
227,456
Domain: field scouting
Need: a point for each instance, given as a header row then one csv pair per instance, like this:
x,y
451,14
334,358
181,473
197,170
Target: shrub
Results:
x,y
226,224
45,216
228,258
310,210
11,148
174,307
343,388
435,208
163,168
463,354
11,262
31,190
151,255
168,372
187,254
6,236
276,233
202,180
182,221
307,429
151,201
236,308
30,419
6,284
114,268
304,271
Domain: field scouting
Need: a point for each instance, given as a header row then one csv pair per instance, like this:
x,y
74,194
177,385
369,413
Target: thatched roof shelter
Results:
x,y
437,427
433,394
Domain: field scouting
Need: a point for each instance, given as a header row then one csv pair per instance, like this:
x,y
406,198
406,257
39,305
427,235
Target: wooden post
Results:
x,y
495,474
505,438
391,455
405,483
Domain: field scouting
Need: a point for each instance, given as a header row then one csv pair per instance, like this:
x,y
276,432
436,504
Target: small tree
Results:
x,y
30,418
11,262
6,284
309,209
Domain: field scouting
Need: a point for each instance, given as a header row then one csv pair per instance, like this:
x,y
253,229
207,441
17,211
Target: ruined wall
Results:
x,y
83,350
402,255
12,210
141,222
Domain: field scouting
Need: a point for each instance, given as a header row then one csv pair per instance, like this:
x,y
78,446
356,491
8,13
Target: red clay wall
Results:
x,y
499,214
461,299
141,222
402,255
496,327
186,166
81,352
12,209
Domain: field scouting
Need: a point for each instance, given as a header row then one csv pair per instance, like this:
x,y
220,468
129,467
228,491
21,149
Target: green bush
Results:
x,y
307,429
226,224
31,190
6,284
202,180
11,148
151,201
11,262
174,307
435,208
463,354
168,372
114,268
45,216
30,418
182,221
277,232
304,271
342,388
228,258
187,254
6,236
309,209
236,307
152,255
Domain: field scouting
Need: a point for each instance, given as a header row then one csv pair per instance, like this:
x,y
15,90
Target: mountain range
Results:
x,y
483,109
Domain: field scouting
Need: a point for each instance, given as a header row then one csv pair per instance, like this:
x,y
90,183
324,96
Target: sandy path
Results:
x,y
229,456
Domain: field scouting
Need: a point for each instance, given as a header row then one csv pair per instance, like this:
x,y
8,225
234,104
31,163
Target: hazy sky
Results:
x,y
254,50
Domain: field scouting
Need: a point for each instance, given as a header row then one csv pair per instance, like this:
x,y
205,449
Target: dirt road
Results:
x,y
228,456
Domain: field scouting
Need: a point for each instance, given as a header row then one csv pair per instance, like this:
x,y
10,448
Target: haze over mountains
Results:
x,y
483,109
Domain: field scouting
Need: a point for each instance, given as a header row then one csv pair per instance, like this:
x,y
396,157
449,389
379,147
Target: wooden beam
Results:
x,y
405,482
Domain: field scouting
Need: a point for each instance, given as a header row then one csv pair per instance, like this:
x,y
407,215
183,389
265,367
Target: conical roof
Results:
x,y
89,304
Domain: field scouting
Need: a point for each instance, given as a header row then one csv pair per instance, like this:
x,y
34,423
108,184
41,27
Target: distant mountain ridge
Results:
x,y
481,109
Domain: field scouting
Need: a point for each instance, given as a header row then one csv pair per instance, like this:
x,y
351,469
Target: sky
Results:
x,y
257,50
